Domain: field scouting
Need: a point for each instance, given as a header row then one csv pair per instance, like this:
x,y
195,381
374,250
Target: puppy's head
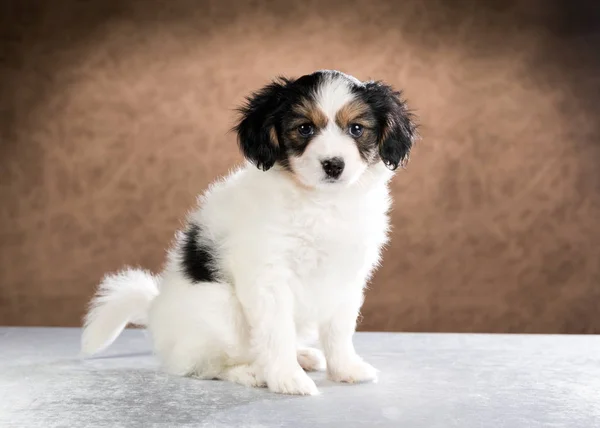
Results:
x,y
325,128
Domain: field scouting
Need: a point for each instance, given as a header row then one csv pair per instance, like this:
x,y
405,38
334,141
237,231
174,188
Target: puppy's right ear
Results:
x,y
256,130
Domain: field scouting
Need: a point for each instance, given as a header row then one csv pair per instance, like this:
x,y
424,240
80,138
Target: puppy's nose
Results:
x,y
333,167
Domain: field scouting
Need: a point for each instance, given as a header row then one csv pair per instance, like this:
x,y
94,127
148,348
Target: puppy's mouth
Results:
x,y
330,181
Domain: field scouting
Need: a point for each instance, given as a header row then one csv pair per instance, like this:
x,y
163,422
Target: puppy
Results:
x,y
277,255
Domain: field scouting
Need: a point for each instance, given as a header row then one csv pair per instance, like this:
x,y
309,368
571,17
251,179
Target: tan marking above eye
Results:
x,y
354,112
273,136
311,113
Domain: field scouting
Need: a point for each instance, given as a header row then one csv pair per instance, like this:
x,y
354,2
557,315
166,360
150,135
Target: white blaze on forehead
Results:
x,y
332,94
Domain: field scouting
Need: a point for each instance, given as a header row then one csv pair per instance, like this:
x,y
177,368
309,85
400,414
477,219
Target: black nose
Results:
x,y
333,167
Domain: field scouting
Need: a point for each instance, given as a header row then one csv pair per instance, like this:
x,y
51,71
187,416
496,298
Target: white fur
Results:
x,y
294,262
121,299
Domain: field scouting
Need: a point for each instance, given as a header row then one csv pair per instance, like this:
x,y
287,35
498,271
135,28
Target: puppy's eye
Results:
x,y
356,130
306,130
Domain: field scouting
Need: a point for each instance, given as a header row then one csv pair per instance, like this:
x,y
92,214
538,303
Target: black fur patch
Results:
x,y
397,130
198,258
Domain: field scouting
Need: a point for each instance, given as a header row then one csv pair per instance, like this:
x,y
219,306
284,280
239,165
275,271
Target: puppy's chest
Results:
x,y
333,245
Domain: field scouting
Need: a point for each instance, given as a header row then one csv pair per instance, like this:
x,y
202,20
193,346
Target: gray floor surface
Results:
x,y
426,380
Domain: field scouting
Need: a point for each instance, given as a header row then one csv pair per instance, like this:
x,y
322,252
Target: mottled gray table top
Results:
x,y
426,380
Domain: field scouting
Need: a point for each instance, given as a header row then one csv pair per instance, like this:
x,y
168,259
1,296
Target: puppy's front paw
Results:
x,y
353,370
294,382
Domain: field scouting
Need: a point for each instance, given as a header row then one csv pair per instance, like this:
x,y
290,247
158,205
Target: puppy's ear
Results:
x,y
397,129
256,130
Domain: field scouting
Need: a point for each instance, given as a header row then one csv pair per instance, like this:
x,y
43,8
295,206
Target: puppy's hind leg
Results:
x,y
244,374
198,330
311,359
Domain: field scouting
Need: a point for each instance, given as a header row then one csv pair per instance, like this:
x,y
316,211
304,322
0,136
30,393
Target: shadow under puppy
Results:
x,y
276,255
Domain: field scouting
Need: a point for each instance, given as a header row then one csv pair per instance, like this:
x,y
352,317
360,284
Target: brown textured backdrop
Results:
x,y
114,114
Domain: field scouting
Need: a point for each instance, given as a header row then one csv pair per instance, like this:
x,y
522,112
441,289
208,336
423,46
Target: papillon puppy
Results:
x,y
278,253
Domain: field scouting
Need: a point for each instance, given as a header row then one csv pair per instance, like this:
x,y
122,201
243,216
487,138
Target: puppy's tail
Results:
x,y
122,298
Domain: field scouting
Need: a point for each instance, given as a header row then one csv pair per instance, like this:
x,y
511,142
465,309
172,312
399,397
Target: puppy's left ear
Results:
x,y
397,128
257,133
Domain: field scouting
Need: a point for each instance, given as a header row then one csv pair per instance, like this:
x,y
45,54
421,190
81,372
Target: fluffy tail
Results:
x,y
122,298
